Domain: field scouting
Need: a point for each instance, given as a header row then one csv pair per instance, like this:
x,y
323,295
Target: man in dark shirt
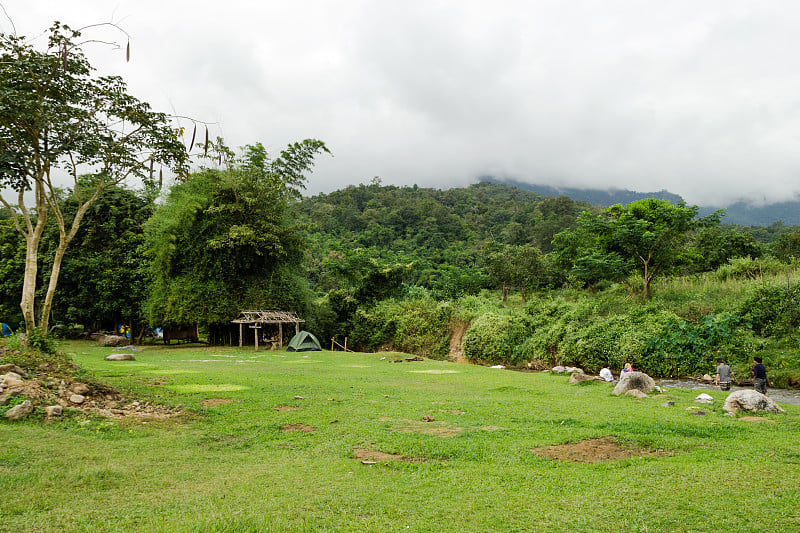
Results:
x,y
759,376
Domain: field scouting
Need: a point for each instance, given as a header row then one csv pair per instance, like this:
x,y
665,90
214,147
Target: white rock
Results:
x,y
77,398
120,357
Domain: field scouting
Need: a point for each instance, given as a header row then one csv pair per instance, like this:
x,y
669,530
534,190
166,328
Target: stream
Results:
x,y
791,396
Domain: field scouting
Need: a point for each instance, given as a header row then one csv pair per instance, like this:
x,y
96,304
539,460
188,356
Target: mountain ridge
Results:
x,y
738,213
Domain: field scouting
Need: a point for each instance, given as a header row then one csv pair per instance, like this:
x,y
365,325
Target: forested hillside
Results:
x,y
488,273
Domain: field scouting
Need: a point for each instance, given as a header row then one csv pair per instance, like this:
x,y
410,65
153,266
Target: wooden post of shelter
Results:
x,y
257,319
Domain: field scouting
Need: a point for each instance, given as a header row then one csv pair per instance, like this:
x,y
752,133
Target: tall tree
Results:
x,y
652,234
228,239
58,118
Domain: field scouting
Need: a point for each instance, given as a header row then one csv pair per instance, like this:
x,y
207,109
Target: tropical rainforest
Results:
x,y
490,273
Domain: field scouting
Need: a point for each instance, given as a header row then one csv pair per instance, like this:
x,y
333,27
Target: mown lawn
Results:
x,y
470,467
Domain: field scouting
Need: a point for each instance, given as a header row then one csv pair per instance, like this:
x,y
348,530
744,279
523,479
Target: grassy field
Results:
x,y
333,441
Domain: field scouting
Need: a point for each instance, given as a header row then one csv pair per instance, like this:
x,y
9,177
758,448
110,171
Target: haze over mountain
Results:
x,y
738,213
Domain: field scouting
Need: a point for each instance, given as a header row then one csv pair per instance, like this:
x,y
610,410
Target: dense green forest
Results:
x,y
488,273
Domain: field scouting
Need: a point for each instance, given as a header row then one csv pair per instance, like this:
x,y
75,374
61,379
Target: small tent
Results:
x,y
304,342
6,331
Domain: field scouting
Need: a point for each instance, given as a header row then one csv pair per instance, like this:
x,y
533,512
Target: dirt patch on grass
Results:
x,y
434,428
593,451
459,327
286,408
368,456
213,402
756,419
298,427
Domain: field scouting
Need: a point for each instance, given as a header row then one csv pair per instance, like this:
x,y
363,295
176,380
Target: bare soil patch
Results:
x,y
433,427
456,338
286,408
298,427
368,456
213,402
593,451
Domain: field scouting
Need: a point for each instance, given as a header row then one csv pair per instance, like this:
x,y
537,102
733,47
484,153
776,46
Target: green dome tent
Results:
x,y
304,342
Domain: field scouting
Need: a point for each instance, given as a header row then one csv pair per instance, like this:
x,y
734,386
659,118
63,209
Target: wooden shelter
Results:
x,y
256,320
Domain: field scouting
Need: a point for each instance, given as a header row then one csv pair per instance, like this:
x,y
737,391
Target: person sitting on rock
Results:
x,y
605,373
625,369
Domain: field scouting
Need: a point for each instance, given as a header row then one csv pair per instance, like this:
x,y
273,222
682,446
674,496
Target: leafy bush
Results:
x,y
36,340
750,268
497,338
772,309
684,349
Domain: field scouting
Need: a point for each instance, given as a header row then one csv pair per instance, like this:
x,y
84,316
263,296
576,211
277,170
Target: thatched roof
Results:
x,y
267,317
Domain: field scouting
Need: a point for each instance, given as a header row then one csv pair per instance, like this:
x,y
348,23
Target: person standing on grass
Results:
x,y
606,373
759,375
723,375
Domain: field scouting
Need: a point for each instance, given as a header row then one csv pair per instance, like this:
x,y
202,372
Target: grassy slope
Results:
x,y
231,468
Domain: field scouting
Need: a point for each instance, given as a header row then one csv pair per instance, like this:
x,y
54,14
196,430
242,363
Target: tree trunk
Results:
x,y
524,294
33,235
505,293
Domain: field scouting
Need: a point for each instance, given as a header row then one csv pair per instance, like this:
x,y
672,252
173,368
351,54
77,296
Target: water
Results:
x,y
791,396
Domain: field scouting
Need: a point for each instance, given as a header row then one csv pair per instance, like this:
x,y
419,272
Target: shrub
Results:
x,y
497,339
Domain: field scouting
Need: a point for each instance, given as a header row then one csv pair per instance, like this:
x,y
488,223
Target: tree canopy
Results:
x,y
58,118
226,240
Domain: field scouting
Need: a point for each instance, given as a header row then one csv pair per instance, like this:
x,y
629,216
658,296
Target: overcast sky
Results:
x,y
701,98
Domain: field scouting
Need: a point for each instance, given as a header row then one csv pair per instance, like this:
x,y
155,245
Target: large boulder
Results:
x,y
112,340
750,400
634,380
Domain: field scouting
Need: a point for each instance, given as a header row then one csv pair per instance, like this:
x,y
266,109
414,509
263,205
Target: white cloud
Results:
x,y
697,98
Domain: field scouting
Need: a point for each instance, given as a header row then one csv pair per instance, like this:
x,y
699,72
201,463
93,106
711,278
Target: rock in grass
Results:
x,y
120,357
580,377
10,367
12,379
634,380
704,398
668,404
750,400
77,399
636,393
20,411
53,411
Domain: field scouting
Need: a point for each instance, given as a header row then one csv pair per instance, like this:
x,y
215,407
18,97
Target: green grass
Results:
x,y
231,468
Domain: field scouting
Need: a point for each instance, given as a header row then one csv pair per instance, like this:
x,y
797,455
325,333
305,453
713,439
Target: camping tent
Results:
x,y
6,331
304,342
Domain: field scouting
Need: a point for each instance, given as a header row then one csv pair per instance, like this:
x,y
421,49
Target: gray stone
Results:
x,y
558,369
53,411
573,370
634,380
79,388
636,393
580,377
120,357
77,398
131,348
12,379
20,411
668,404
111,340
750,400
